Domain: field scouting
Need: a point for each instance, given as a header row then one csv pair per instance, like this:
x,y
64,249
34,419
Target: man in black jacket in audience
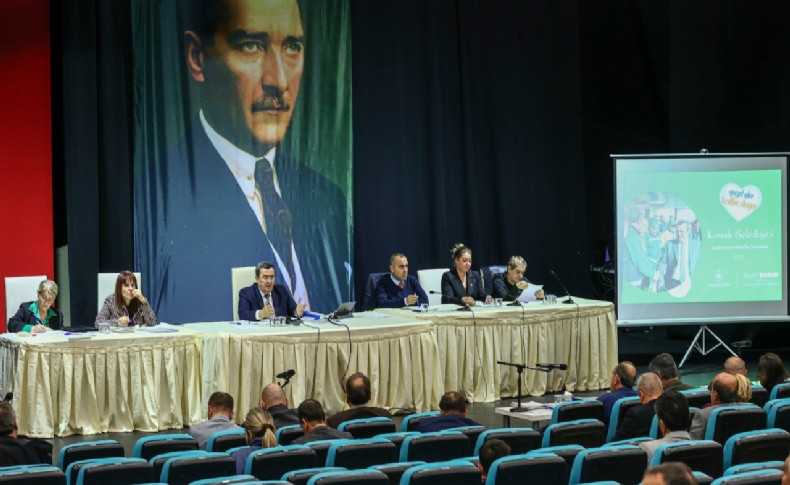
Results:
x,y
274,400
638,419
13,451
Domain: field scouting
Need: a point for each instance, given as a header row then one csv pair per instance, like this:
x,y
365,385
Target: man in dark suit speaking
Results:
x,y
230,196
266,299
399,288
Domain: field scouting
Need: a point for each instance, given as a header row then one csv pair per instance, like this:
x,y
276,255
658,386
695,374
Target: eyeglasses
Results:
x,y
45,299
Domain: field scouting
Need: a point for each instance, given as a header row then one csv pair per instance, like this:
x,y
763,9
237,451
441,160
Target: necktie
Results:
x,y
400,285
276,215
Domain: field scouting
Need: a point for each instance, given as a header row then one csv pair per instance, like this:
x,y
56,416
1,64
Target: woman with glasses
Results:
x,y
127,305
38,316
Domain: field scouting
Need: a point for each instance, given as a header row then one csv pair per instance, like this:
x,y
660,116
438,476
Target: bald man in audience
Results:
x,y
735,365
638,419
274,400
358,396
621,385
670,473
724,390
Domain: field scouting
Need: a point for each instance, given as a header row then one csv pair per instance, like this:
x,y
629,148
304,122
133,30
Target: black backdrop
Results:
x,y
489,123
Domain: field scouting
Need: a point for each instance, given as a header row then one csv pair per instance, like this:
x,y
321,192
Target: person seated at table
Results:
x,y
274,400
39,315
220,417
358,395
264,298
452,407
126,305
14,451
313,421
260,431
459,285
401,288
510,284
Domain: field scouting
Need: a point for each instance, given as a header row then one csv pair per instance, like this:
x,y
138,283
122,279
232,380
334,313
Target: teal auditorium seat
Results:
x,y
621,406
566,452
409,423
725,421
231,480
89,449
361,453
701,455
589,433
472,433
118,471
757,477
150,446
756,446
778,413
356,477
226,439
780,391
32,475
573,410
434,447
543,468
158,461
272,463
624,464
287,434
321,448
395,471
520,440
183,470
457,472
750,467
368,427
697,397
302,476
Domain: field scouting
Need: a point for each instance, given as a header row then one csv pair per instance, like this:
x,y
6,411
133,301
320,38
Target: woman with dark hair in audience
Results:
x,y
459,285
771,371
38,316
127,304
259,426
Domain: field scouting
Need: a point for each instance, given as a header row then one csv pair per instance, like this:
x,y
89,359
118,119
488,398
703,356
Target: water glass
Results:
x,y
104,327
498,302
423,307
558,398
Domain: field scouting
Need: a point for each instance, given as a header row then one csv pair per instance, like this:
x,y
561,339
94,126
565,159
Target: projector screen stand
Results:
x,y
702,348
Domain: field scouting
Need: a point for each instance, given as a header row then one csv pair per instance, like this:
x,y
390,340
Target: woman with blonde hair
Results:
x,y
744,388
40,315
259,427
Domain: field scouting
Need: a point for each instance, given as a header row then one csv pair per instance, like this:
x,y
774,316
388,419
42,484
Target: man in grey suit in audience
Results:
x,y
220,417
672,409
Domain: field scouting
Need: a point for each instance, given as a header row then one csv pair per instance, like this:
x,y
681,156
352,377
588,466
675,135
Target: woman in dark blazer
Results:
x,y
38,316
460,285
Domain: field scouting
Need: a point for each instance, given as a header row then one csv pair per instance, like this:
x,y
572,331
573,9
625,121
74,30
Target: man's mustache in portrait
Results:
x,y
272,100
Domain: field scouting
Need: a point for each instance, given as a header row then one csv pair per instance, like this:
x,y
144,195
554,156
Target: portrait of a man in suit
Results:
x,y
678,260
232,196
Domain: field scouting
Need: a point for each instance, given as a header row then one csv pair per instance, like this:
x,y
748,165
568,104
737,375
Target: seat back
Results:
x,y
287,434
157,462
624,464
120,471
105,284
697,398
150,446
183,470
226,439
240,278
756,477
589,433
409,423
520,440
620,407
573,410
361,453
272,463
779,414
566,452
434,447
89,449
760,396
357,477
368,427
37,475
302,476
756,446
781,391
457,472
472,434
396,470
543,468
19,289
369,297
750,467
234,479
701,455
725,421
431,280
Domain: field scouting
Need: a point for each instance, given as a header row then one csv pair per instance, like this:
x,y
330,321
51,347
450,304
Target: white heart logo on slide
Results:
x,y
740,202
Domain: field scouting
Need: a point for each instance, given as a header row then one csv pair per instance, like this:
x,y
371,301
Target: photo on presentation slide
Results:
x,y
701,237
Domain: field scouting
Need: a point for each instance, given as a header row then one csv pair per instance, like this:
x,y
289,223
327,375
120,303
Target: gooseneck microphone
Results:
x,y
553,366
457,301
569,300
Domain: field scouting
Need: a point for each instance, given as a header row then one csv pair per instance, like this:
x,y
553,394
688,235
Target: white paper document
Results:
x,y
529,293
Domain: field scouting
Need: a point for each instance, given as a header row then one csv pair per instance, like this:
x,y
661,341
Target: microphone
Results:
x,y
287,374
455,300
553,366
569,300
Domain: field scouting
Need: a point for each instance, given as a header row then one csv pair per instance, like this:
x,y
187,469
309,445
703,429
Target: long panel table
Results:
x,y
583,336
149,382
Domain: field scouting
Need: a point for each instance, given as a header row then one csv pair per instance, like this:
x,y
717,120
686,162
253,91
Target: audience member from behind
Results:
x,y
399,288
735,365
724,390
313,421
786,472
672,409
274,400
771,371
452,406
621,385
39,315
220,417
491,451
637,421
260,430
13,451
358,395
663,365
670,473
126,305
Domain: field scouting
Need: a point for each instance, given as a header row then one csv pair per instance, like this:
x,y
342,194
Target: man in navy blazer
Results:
x,y
265,299
400,288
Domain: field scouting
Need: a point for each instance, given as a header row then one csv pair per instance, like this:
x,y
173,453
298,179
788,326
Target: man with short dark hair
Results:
x,y
672,409
670,473
399,288
274,400
663,365
491,451
313,422
358,395
621,385
637,421
724,390
12,450
220,417
266,299
452,407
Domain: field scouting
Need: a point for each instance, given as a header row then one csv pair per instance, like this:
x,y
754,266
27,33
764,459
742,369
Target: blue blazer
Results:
x,y
389,295
453,290
251,300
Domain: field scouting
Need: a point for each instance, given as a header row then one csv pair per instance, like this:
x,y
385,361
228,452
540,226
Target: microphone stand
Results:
x,y
520,369
287,380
